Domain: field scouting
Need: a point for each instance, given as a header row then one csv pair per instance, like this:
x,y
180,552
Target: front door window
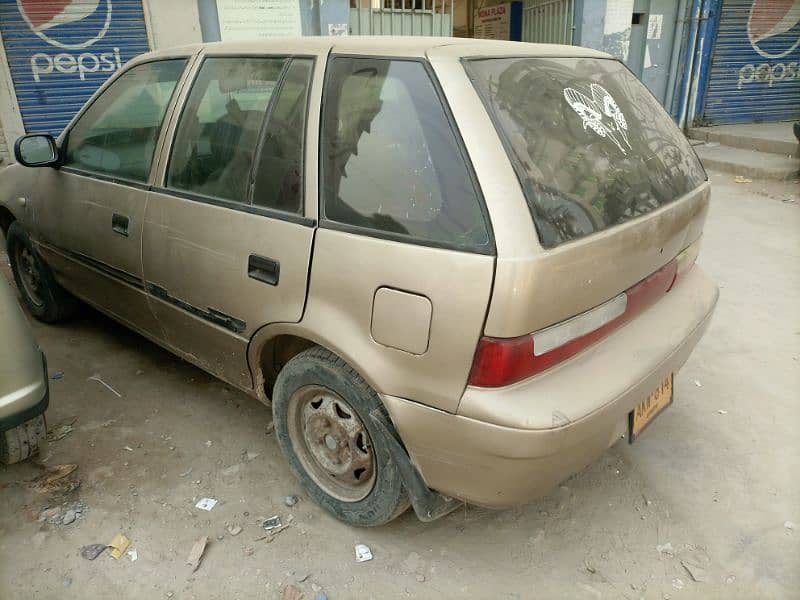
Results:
x,y
116,136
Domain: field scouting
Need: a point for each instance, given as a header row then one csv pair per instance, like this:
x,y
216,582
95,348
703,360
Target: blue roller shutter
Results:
x,y
755,68
60,51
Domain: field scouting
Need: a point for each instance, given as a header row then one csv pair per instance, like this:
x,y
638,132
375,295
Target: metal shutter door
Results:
x,y
59,53
755,68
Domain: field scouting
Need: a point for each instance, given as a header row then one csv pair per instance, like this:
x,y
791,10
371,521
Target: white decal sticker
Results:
x,y
600,113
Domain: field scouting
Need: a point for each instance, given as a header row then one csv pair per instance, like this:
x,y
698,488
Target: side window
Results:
x,y
117,134
390,159
279,174
218,130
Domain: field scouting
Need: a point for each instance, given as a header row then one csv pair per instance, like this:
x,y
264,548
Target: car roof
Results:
x,y
418,46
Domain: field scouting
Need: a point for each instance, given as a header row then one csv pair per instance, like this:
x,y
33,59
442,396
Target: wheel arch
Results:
x,y
274,345
6,218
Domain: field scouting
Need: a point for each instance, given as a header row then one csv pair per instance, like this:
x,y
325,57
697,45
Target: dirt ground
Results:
x,y
715,483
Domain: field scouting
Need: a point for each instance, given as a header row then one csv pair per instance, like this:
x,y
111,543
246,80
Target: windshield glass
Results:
x,y
591,146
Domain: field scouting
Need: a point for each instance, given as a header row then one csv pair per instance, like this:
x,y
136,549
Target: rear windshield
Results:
x,y
591,146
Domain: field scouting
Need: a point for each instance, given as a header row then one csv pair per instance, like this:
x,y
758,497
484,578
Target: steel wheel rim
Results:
x,y
331,443
29,274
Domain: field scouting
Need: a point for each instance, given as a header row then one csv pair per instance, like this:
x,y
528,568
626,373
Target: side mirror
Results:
x,y
37,150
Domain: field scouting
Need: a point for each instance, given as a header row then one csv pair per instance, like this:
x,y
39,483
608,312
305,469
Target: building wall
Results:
x,y
173,23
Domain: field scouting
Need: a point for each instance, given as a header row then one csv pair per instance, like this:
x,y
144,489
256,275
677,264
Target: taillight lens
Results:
x,y
503,361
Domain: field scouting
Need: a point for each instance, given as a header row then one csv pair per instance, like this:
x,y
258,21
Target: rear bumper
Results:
x,y
509,445
22,405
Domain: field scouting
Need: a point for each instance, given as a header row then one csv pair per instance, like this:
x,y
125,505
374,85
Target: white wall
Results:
x,y
173,22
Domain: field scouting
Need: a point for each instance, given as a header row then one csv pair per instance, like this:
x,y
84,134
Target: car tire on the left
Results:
x,y
44,297
23,441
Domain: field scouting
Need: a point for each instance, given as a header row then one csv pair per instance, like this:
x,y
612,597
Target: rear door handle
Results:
x,y
263,269
119,224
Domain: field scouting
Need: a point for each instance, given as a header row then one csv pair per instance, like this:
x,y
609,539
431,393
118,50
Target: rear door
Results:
x,y
226,243
404,257
90,212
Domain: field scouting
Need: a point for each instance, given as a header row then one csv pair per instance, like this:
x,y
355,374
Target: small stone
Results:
x,y
67,582
69,517
170,594
270,427
249,551
730,579
220,537
421,578
290,500
790,525
49,513
677,584
234,529
316,588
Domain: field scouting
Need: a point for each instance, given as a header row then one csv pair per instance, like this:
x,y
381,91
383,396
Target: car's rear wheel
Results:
x,y
45,298
321,409
23,441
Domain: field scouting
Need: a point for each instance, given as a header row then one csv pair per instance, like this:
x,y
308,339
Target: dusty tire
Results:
x,y
311,383
23,441
43,296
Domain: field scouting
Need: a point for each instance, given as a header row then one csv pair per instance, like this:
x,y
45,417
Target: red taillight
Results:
x,y
503,361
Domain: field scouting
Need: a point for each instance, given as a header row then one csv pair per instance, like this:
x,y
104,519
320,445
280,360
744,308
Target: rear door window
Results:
x,y
391,161
591,146
219,127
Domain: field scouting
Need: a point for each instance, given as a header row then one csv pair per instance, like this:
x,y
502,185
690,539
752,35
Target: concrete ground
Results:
x,y
715,483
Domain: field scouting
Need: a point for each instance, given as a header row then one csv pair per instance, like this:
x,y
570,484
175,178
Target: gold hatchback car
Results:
x,y
458,269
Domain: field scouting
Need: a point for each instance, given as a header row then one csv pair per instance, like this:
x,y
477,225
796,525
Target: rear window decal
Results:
x,y
600,113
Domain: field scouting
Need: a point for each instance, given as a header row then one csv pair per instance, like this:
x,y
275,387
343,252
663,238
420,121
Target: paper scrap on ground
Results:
x,y
119,545
206,503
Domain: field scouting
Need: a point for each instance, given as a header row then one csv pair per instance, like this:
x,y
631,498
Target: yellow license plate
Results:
x,y
644,413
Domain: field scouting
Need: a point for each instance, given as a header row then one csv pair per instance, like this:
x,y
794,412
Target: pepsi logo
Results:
x,y
68,24
774,27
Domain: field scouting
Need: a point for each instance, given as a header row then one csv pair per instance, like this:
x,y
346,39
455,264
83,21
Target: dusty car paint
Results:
x,y
181,278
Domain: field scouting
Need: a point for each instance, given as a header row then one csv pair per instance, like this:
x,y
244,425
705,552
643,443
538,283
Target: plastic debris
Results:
x,y
119,545
128,448
290,500
92,551
320,596
49,513
665,549
270,427
133,554
57,375
363,553
722,411
272,523
196,554
185,473
234,529
206,503
677,584
209,443
103,383
790,525
697,383
742,179
291,593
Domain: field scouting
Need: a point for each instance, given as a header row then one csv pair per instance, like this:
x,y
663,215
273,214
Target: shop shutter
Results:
x,y
59,53
755,66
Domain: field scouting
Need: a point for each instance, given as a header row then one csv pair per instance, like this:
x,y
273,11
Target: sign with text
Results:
x,y
258,19
499,22
59,53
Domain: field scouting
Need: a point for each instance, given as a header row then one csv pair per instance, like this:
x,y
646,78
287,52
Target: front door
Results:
x,y
90,212
226,245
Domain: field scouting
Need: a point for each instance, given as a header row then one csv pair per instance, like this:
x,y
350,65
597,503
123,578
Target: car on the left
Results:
x,y
24,393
